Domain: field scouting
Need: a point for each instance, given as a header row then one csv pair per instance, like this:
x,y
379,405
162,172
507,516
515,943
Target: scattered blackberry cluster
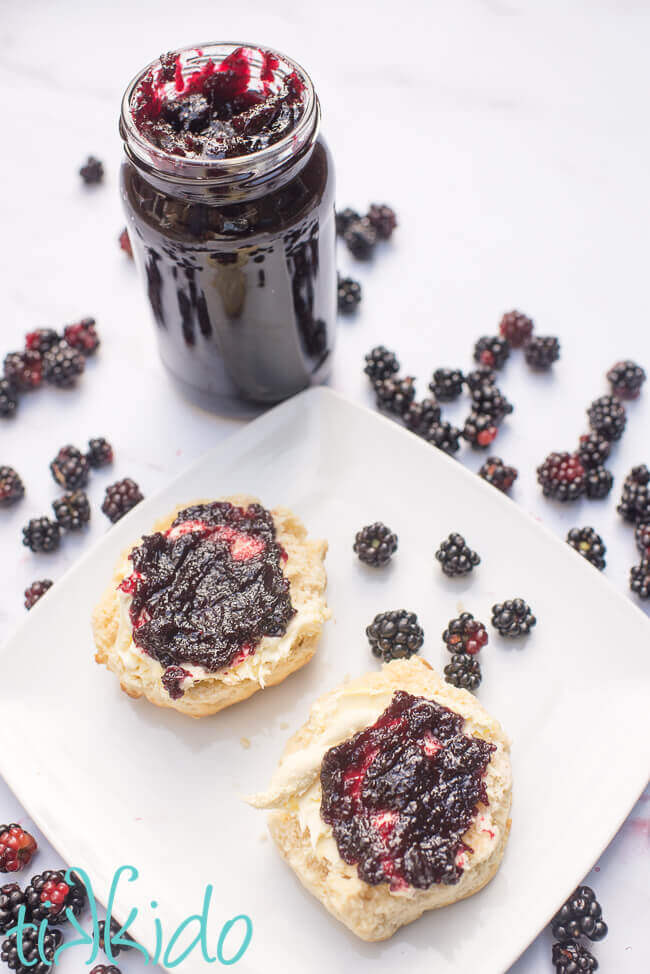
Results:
x,y
92,171
348,295
375,544
17,847
395,635
634,507
12,489
581,916
456,557
513,618
499,474
589,544
35,591
361,233
626,379
464,637
120,497
48,896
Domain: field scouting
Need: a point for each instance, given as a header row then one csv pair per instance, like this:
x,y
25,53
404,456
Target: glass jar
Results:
x,y
237,254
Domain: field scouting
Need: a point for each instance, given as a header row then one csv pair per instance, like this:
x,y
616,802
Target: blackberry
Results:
x,y
420,416
540,353
443,435
593,450
120,497
113,931
562,477
100,452
395,395
345,218
41,340
642,538
72,510
482,376
17,847
70,468
513,618
395,635
492,351
31,950
24,370
465,635
463,671
51,888
479,431
348,295
447,384
580,916
488,400
573,958
383,219
626,379
360,238
640,578
35,591
590,545
516,327
92,171
11,900
497,473
456,557
607,417
375,544
12,488
8,398
635,499
62,365
105,969
598,484
380,363
83,336
125,243
41,534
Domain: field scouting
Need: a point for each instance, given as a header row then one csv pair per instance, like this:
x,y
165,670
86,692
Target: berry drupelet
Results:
x,y
72,510
41,534
480,431
626,379
31,951
516,327
607,417
348,295
573,958
634,505
463,671
8,398
125,243
492,351
542,352
41,340
48,896
420,416
12,488
497,473
344,218
593,450
395,635
640,579
513,618
642,538
482,376
488,400
113,931
36,591
16,848
83,336
456,557
381,363
443,435
24,370
589,544
120,497
580,916
465,635
62,365
92,171
70,468
383,219
562,477
395,395
447,384
598,483
100,453
375,544
11,900
360,238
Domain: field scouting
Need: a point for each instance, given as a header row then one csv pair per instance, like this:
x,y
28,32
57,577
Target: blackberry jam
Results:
x,y
229,194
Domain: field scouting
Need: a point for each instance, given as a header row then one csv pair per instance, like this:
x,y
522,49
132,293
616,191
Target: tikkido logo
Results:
x,y
233,942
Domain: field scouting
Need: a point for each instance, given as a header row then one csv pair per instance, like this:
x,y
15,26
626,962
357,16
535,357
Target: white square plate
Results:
x,y
113,781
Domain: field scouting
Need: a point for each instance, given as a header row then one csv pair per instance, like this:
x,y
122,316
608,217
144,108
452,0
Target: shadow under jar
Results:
x,y
229,194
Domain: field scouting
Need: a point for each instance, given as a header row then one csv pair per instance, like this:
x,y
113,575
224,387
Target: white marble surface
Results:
x,y
511,139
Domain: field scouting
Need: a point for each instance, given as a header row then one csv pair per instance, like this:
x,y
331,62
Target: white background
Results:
x,y
510,137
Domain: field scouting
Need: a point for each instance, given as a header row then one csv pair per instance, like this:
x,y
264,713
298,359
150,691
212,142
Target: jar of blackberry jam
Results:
x,y
228,188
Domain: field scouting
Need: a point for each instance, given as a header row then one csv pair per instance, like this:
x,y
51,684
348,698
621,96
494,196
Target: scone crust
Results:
x,y
307,578
372,912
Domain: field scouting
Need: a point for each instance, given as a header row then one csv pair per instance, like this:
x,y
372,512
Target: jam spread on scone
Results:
x,y
206,591
401,794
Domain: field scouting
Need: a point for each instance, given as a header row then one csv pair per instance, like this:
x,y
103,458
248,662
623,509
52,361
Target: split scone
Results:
x,y
222,599
394,798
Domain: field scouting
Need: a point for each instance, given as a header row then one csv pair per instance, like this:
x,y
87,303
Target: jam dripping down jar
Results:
x,y
235,245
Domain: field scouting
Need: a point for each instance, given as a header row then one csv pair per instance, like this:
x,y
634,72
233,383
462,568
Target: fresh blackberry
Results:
x,y
348,295
41,534
562,477
640,578
607,417
598,483
70,468
32,951
626,379
395,635
62,365
541,352
420,416
35,591
642,538
395,395
51,888
345,218
375,544
463,671
497,473
447,384
516,327
24,370
456,557
381,363
100,452
443,435
465,635
105,969
492,351
383,219
83,336
17,847
120,497
125,243
635,499
360,238
480,431
92,171
590,545
11,900
580,916
41,340
12,489
488,400
593,450
513,618
113,931
573,958
482,376
72,510
8,398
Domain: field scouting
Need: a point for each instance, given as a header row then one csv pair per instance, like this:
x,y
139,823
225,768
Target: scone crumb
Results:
x,y
245,743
